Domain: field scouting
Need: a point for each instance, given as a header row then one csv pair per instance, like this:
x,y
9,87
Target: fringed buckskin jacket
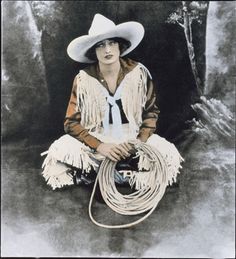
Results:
x,y
86,110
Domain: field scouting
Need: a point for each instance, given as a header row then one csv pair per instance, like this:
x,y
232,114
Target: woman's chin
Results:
x,y
109,61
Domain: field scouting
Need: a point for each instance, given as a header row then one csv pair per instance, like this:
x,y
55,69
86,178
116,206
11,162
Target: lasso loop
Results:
x,y
142,200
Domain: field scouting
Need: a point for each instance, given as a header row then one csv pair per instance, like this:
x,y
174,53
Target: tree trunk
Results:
x,y
188,36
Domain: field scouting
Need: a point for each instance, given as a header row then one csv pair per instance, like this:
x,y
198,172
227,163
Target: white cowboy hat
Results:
x,y
102,28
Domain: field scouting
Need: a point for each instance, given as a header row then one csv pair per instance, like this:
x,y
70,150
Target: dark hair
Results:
x,y
123,45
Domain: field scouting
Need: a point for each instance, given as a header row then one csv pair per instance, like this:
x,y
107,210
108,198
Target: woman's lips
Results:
x,y
108,56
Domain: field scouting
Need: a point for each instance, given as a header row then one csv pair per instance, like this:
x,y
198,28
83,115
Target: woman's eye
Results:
x,y
101,45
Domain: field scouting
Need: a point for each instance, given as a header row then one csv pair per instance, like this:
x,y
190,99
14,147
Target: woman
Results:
x,y
113,101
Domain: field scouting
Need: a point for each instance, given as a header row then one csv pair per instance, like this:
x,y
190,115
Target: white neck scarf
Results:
x,y
115,113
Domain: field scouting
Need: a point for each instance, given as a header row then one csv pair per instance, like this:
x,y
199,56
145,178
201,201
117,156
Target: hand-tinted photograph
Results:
x,y
118,129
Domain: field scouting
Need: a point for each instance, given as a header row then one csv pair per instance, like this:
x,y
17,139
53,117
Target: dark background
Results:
x,y
42,98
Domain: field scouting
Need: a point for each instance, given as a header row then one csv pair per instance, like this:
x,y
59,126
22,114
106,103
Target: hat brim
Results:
x,y
130,31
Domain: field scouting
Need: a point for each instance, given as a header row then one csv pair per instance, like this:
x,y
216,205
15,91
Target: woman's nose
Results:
x,y
107,48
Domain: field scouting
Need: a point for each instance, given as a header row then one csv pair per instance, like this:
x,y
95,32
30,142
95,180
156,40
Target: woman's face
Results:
x,y
107,51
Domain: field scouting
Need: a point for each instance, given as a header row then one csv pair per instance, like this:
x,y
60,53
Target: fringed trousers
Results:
x,y
67,152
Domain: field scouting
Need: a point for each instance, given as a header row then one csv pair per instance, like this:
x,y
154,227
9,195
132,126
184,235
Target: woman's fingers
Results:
x,y
123,150
124,153
115,152
114,157
124,146
128,147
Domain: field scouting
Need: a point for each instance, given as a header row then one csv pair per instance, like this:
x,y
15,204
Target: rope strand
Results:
x,y
142,200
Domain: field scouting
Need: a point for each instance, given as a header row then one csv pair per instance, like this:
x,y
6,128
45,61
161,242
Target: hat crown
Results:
x,y
100,25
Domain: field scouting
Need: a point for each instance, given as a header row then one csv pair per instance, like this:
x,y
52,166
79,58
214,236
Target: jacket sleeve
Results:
x,y
72,121
150,114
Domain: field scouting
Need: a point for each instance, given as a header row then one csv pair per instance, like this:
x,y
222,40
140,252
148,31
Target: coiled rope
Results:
x,y
140,201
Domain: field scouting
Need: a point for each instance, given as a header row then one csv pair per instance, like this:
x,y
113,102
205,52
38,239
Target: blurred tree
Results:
x,y
184,16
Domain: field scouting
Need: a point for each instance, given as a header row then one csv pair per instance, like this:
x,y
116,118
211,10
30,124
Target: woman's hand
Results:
x,y
115,152
129,149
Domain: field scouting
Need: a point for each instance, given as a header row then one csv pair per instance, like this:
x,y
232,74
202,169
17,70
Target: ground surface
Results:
x,y
194,220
